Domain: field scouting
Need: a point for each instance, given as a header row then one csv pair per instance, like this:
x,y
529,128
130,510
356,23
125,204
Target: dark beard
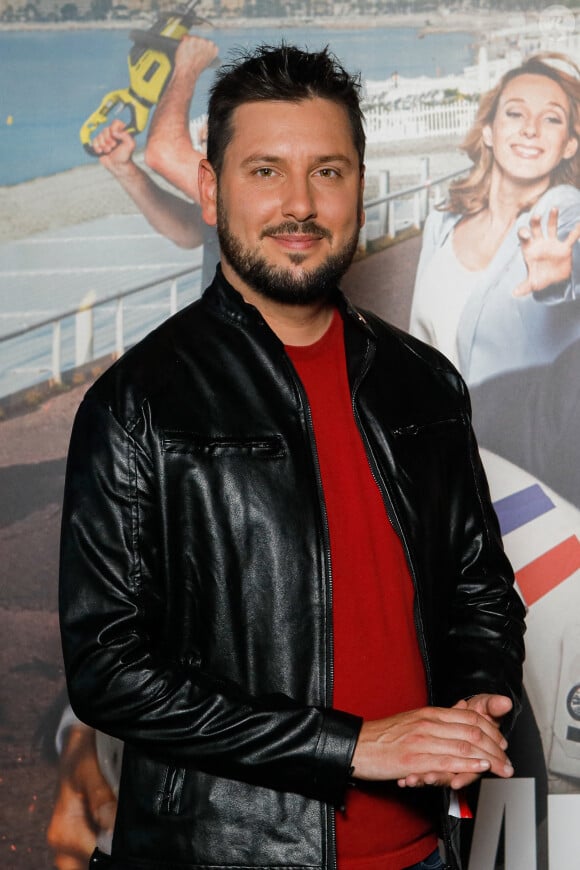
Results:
x,y
276,282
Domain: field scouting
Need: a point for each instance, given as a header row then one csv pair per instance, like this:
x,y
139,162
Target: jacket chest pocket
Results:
x,y
227,485
223,446
432,430
429,453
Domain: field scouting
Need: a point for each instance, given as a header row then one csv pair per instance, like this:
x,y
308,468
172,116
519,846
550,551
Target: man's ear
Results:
x,y
361,211
207,180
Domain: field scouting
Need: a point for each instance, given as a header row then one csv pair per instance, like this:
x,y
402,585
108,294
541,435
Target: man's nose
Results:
x,y
299,199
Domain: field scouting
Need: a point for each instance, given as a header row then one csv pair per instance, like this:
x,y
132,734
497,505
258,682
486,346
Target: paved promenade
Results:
x,y
32,461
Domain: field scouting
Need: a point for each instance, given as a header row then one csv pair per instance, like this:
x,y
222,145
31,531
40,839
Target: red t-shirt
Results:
x,y
378,668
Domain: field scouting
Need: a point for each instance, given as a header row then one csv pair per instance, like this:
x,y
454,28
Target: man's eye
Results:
x,y
265,172
328,172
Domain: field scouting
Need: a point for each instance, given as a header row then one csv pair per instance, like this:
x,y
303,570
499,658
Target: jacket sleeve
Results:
x,y
121,678
485,650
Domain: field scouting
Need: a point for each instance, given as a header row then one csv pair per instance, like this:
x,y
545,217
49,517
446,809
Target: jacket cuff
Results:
x,y
334,753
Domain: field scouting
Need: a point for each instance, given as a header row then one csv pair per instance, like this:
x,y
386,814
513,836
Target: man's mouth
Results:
x,y
297,241
301,235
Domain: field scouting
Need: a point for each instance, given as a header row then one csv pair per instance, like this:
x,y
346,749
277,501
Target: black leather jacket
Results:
x,y
196,586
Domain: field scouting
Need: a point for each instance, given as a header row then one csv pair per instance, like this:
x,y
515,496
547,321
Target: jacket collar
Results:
x,y
229,304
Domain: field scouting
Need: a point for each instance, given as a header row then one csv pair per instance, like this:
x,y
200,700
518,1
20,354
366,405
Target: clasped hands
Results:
x,y
436,745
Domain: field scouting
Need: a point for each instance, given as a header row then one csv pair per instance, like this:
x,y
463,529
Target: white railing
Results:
x,y
95,329
384,125
391,212
103,328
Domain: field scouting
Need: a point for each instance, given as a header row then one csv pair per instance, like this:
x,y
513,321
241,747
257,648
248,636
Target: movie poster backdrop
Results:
x,y
69,236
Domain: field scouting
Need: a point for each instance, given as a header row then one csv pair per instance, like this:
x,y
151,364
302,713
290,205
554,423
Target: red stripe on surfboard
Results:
x,y
549,570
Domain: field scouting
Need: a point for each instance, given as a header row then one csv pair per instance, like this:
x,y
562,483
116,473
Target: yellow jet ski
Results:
x,y
150,65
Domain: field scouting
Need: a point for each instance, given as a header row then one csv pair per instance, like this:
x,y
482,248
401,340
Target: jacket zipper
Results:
x,y
394,518
331,844
330,630
331,815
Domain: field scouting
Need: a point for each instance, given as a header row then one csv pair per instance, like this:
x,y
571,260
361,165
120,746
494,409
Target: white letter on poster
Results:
x,y
514,799
563,815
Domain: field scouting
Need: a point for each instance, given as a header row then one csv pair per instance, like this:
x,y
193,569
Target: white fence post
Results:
x,y
74,337
363,238
84,328
119,328
417,210
425,192
173,298
56,353
385,228
392,219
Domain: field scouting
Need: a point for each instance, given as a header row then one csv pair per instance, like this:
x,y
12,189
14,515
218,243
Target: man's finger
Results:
x,y
452,779
461,780
439,779
494,707
482,720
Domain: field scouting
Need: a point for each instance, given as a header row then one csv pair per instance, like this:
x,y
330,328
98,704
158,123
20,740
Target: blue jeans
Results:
x,y
432,862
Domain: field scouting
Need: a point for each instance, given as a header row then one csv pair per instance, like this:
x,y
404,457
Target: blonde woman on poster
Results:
x,y
496,291
499,271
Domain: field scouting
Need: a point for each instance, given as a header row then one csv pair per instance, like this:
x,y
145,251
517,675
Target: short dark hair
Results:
x,y
281,72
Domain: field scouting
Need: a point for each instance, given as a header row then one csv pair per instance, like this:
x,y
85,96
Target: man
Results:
x,y
171,215
278,549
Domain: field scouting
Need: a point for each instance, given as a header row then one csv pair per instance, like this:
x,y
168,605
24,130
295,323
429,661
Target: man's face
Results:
x,y
288,204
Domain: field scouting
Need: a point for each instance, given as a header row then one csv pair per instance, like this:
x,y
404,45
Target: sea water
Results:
x,y
52,81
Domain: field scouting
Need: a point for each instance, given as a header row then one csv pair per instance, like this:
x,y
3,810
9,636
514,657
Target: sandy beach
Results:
x,y
65,199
